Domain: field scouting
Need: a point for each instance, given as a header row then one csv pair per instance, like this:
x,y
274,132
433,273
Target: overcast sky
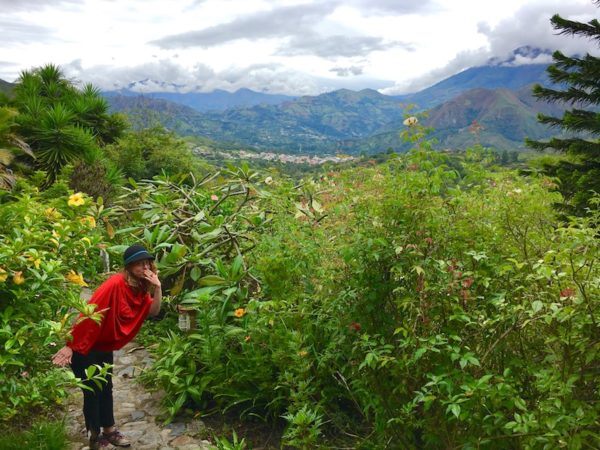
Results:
x,y
278,46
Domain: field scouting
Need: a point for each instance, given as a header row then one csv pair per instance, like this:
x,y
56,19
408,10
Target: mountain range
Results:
x,y
217,100
497,97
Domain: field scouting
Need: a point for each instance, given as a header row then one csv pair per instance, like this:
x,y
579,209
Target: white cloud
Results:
x,y
286,46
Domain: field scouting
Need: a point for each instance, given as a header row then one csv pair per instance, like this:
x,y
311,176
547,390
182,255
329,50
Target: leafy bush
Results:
x,y
427,302
47,250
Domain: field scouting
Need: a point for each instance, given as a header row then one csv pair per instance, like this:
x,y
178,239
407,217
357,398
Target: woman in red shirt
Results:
x,y
124,301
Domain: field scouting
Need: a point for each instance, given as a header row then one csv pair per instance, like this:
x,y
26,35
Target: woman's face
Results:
x,y
138,268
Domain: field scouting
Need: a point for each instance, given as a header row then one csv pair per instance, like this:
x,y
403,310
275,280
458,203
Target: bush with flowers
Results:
x,y
429,302
49,250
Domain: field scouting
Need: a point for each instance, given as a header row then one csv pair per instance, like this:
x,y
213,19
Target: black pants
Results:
x,y
98,403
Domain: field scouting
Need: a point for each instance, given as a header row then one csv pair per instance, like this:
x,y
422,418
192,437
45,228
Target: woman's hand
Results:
x,y
151,277
63,356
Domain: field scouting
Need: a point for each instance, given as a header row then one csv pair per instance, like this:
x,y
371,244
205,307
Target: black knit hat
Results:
x,y
135,253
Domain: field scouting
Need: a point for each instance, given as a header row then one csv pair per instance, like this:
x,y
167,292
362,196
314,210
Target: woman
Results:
x,y
124,301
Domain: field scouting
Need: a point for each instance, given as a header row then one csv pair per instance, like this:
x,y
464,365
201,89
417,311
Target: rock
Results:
x,y
126,360
135,425
149,439
180,441
177,428
196,427
127,372
137,415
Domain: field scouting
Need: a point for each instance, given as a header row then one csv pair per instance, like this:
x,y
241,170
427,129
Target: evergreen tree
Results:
x,y
577,84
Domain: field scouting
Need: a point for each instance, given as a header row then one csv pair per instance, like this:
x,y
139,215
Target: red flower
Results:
x,y
355,326
467,282
567,293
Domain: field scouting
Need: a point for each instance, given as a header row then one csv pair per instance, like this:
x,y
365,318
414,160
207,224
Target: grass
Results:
x,y
41,436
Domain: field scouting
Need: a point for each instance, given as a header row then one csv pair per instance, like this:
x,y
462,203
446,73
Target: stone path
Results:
x,y
136,410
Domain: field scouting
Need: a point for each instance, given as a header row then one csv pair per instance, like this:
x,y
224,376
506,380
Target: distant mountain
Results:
x,y
218,100
504,119
353,122
6,87
496,96
486,77
305,125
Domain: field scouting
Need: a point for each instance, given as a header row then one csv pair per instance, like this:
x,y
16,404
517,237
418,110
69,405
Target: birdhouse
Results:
x,y
187,318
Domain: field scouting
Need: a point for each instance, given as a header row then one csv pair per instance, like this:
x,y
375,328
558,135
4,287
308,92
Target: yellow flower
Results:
x,y
76,199
75,278
302,353
3,275
52,213
55,234
36,261
88,221
86,239
239,312
411,121
18,278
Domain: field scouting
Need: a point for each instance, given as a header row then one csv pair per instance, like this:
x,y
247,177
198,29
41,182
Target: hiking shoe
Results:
x,y
99,443
116,439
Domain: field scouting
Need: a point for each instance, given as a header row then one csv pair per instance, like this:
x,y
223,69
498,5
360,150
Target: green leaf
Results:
x,y
195,273
211,280
454,408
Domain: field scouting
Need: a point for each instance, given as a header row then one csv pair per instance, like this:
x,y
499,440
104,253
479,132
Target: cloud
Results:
x,y
279,22
19,32
337,45
392,6
24,5
529,27
149,77
347,71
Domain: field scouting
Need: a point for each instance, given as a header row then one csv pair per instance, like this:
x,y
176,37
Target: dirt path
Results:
x,y
136,410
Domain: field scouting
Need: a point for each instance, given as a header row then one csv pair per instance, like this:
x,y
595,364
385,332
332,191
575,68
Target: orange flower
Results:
x,y
240,312
88,221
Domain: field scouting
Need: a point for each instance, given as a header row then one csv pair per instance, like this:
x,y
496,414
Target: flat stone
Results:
x,y
180,441
194,446
134,425
126,372
137,415
196,426
150,439
134,435
145,447
177,428
125,360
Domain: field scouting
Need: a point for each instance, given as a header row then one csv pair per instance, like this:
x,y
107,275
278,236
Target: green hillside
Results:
x,y
353,122
5,87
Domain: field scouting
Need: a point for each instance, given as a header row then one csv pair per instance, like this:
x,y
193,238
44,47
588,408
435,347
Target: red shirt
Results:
x,y
125,309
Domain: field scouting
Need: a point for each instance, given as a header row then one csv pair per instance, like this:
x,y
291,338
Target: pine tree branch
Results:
x,y
572,95
573,146
576,120
570,27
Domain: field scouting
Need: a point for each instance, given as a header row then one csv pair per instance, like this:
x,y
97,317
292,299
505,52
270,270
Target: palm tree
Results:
x,y
60,122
